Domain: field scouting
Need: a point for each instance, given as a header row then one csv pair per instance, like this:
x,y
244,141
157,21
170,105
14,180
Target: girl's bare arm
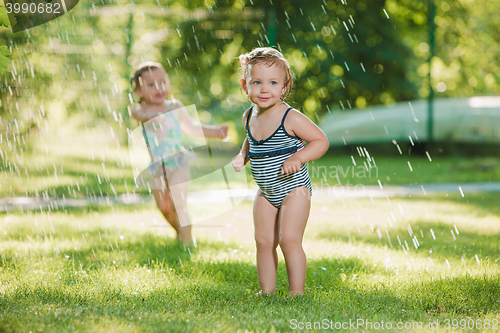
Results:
x,y
246,145
192,128
244,149
317,143
240,160
139,113
142,113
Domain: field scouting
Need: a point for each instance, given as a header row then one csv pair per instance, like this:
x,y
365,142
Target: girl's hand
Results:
x,y
136,107
291,164
223,131
238,162
145,112
140,112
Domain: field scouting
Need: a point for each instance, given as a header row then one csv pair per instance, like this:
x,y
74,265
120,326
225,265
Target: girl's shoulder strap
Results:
x,y
169,104
284,116
249,110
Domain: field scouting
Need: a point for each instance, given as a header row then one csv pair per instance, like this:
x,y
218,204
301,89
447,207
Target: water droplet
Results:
x,y
413,113
410,231
428,156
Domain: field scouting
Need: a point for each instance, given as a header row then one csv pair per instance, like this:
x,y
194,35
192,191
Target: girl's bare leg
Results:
x,y
265,217
167,208
293,216
179,190
175,214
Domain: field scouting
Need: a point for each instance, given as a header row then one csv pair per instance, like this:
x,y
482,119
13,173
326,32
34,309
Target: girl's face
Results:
x,y
265,86
154,87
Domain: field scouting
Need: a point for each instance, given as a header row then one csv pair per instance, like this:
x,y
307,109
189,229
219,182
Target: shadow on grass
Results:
x,y
449,242
482,203
323,272
466,244
464,296
96,248
93,179
144,252
213,302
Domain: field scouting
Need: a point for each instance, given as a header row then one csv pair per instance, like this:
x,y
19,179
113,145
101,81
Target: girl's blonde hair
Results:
x,y
139,70
268,56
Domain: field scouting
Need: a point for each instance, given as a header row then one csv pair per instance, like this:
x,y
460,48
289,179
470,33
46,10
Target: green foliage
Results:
x,y
4,50
4,18
337,52
344,55
4,61
467,49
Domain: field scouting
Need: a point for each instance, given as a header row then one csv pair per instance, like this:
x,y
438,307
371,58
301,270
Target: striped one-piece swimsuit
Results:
x,y
266,159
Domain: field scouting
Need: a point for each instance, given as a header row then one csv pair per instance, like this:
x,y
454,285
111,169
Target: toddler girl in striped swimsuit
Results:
x,y
275,147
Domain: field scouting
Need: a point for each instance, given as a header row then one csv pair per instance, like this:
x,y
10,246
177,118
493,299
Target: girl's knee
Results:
x,y
165,206
289,242
264,242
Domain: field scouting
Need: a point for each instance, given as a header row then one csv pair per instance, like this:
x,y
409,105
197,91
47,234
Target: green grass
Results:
x,y
73,167
114,269
403,170
117,268
83,165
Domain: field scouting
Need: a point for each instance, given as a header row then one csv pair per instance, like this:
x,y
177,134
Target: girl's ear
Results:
x,y
138,92
285,88
138,88
243,85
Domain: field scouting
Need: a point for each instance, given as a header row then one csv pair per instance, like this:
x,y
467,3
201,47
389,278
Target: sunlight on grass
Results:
x,y
395,169
96,163
118,268
82,166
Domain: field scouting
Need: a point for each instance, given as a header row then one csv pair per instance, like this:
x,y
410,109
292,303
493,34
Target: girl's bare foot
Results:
x,y
184,240
264,293
184,235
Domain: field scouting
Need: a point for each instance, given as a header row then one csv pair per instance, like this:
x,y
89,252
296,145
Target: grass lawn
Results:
x,y
88,165
403,261
403,170
415,261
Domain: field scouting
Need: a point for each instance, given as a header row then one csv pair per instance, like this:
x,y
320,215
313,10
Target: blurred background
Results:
x,y
404,81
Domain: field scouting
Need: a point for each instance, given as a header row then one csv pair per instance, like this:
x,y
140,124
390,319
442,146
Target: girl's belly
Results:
x,y
267,174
